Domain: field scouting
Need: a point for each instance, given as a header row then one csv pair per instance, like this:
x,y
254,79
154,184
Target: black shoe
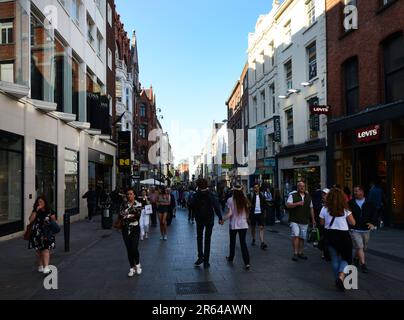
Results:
x,y
199,261
229,259
364,268
253,243
264,246
340,285
302,256
295,257
247,267
206,265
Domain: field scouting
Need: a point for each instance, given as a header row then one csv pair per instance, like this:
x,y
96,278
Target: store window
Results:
x,y
11,175
71,182
45,175
343,168
397,129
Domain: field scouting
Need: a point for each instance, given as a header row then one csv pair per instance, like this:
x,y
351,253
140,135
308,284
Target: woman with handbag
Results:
x,y
163,207
129,220
335,218
42,238
145,217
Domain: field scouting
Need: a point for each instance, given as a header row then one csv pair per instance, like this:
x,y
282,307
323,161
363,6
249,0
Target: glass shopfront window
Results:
x,y
45,176
343,168
11,190
71,182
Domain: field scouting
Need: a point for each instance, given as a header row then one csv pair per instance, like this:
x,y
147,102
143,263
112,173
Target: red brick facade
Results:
x,y
7,12
375,25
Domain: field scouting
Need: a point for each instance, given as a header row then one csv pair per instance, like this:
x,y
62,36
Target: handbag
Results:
x,y
118,224
28,231
148,209
54,227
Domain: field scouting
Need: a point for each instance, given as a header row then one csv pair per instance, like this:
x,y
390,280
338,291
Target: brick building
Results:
x,y
366,96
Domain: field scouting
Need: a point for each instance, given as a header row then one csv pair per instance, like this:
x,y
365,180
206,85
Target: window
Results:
x,y
45,172
272,48
76,11
288,32
143,111
314,121
59,88
7,72
264,106
384,3
311,12
119,90
255,106
255,70
90,30
393,52
6,29
71,182
75,86
351,85
263,62
99,44
272,93
312,60
109,14
143,131
110,59
288,75
289,125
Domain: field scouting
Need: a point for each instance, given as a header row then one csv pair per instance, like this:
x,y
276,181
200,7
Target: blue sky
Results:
x,y
192,52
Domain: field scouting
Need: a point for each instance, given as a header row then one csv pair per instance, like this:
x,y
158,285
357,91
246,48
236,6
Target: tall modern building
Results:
x,y
55,128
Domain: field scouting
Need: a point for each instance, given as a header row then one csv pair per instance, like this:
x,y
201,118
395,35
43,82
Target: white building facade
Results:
x,y
287,67
55,127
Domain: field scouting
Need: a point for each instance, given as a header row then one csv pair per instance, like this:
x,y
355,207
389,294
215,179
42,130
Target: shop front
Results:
x,y
368,148
306,164
100,168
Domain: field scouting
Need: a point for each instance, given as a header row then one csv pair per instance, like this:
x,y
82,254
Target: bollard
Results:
x,y
66,228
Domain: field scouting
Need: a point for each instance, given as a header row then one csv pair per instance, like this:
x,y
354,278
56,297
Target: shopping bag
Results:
x,y
148,209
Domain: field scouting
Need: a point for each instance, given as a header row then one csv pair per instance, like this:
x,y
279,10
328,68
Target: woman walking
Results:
x,y
238,214
335,218
130,217
145,218
42,238
163,204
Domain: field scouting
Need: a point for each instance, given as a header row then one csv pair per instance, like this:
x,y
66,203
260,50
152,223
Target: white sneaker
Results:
x,y
165,238
161,238
141,238
46,270
40,269
131,273
139,269
147,236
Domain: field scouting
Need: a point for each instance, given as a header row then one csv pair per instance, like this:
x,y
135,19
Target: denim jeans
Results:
x,y
338,265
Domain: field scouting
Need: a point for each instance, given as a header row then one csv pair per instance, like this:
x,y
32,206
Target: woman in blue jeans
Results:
x,y
335,218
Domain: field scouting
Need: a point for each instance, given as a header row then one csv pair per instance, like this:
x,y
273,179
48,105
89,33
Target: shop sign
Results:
x,y
270,162
277,129
124,153
319,110
368,134
261,138
305,160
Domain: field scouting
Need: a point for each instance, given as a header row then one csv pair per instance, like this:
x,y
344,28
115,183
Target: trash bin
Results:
x,y
107,216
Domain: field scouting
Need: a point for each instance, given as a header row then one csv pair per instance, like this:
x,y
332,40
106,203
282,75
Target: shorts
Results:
x,y
299,230
360,240
163,209
257,219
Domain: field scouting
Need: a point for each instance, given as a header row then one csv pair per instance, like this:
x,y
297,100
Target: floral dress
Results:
x,y
42,237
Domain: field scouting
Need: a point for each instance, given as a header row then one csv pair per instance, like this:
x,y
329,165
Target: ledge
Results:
x,y
94,132
66,117
16,90
80,125
43,105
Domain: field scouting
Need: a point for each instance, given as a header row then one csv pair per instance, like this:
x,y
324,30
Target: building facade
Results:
x,y
55,130
366,96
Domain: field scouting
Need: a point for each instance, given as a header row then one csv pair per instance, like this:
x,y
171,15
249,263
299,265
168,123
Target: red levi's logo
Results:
x,y
368,134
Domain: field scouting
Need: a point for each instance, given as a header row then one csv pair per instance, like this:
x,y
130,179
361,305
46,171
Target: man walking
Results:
x,y
91,197
257,215
301,210
365,214
205,205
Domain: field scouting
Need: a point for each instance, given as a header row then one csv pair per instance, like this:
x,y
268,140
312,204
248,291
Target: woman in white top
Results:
x,y
238,214
335,218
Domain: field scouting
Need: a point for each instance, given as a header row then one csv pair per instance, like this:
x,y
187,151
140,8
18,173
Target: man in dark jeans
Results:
x,y
204,205
91,197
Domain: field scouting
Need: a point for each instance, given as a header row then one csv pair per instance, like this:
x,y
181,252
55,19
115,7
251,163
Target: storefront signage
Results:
x,y
319,110
261,138
305,160
277,128
270,162
124,153
368,134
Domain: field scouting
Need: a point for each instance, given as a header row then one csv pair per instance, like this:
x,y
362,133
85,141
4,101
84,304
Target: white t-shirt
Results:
x,y
257,205
340,223
290,199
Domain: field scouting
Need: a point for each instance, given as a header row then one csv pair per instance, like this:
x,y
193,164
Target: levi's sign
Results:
x,y
368,134
315,109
